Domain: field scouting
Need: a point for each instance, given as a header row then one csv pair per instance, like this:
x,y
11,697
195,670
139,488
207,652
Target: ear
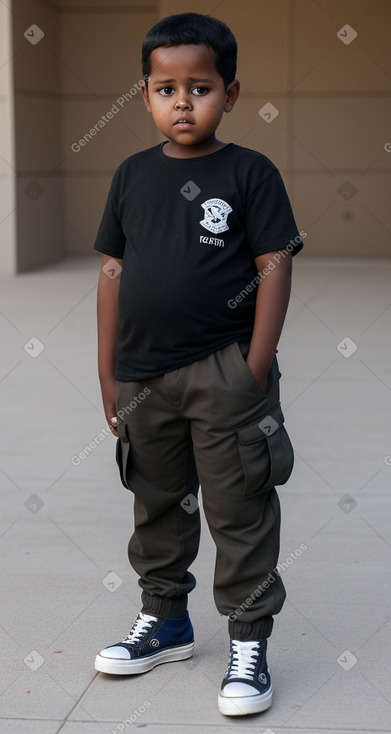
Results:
x,y
232,93
144,92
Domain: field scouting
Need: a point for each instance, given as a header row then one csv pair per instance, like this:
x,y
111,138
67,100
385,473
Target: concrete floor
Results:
x,y
65,526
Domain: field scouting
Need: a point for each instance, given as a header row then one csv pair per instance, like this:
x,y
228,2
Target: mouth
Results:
x,y
183,123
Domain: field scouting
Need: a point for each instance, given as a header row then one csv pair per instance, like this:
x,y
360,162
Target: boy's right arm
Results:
x,y
108,328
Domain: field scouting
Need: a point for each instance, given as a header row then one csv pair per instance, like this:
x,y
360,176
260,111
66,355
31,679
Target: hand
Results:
x,y
108,399
259,374
112,425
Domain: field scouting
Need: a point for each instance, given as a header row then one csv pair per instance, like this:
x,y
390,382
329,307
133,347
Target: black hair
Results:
x,y
193,28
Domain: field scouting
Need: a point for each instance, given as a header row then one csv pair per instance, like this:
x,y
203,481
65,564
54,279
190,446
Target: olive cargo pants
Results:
x,y
207,423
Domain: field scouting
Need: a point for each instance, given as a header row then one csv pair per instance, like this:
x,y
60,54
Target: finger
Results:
x,y
113,425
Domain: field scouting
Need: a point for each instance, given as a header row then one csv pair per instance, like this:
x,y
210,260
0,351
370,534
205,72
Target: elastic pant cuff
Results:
x,y
257,630
174,607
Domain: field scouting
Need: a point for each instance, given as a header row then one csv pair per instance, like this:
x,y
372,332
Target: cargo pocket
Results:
x,y
266,452
123,453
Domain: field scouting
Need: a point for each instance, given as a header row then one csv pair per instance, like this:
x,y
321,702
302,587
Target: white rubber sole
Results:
x,y
242,705
142,665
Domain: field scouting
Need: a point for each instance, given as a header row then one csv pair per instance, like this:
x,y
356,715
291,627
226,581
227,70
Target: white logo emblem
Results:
x,y
262,678
216,213
154,642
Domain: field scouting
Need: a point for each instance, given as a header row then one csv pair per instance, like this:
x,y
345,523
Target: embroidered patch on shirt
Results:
x,y
216,214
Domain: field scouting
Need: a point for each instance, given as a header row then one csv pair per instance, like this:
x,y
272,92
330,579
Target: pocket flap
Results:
x,y
123,454
122,432
263,427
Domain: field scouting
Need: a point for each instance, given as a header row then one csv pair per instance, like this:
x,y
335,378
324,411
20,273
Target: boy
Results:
x,y
187,341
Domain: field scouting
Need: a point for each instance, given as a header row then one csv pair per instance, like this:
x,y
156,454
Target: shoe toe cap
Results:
x,y
238,689
116,652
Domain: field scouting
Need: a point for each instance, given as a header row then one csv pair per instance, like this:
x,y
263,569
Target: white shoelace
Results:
x,y
243,659
142,625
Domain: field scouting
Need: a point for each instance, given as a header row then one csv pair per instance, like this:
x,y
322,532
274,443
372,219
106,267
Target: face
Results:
x,y
187,98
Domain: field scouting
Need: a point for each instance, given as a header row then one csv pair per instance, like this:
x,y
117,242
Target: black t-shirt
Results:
x,y
188,230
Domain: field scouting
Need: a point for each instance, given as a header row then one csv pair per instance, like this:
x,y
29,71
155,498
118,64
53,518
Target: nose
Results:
x,y
182,104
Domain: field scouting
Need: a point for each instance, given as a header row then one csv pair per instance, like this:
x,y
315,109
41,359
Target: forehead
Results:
x,y
182,61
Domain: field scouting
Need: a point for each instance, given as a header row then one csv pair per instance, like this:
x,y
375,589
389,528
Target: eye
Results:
x,y
165,91
200,91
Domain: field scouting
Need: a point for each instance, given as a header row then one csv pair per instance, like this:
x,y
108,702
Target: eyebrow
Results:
x,y
190,78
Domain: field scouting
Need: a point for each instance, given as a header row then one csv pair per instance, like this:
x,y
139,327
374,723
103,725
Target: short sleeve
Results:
x,y
270,224
110,238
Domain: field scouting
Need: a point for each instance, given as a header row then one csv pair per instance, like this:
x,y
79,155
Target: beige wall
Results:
x,y
41,236
333,123
7,152
100,50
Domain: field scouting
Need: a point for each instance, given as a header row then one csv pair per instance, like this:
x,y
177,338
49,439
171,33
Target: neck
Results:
x,y
173,150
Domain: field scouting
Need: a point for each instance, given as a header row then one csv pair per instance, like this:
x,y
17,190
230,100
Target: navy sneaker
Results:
x,y
247,686
152,640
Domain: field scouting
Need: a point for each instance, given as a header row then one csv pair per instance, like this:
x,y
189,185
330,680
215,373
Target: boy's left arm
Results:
x,y
271,307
